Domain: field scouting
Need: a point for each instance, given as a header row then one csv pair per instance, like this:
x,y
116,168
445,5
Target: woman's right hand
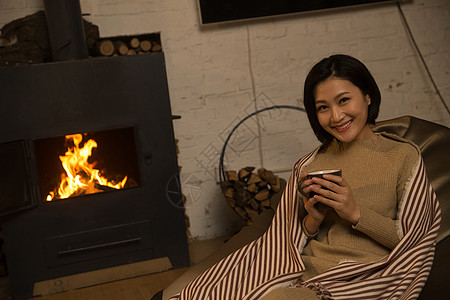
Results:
x,y
316,215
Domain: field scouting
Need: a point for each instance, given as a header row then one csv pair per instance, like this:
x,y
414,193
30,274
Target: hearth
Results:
x,y
121,103
89,163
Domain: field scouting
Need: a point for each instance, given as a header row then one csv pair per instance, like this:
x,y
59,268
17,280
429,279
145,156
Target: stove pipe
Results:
x,y
65,29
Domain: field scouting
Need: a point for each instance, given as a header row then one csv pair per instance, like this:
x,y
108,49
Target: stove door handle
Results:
x,y
101,246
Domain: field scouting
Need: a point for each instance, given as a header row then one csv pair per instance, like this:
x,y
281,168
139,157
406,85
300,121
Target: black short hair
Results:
x,y
343,67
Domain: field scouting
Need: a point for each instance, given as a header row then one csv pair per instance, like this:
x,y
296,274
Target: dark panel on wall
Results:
x,y
213,11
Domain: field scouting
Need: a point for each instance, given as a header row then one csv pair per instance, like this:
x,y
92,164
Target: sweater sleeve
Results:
x,y
380,228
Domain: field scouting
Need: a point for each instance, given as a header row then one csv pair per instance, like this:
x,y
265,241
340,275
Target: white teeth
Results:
x,y
345,125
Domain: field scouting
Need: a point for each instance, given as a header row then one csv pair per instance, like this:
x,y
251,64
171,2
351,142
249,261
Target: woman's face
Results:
x,y
342,110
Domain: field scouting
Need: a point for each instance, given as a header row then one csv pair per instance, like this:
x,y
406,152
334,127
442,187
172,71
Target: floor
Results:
x,y
142,287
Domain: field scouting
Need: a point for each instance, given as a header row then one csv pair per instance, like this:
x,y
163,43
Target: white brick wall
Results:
x,y
209,72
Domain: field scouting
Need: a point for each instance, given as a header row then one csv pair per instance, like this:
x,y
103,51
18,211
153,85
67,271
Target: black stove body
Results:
x,y
47,240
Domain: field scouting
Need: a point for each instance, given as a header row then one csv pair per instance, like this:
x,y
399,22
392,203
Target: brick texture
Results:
x,y
221,73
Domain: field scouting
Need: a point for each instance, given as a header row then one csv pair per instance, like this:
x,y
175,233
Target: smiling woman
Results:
x,y
360,245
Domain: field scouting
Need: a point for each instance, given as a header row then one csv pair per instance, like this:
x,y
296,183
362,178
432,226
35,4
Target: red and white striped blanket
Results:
x,y
274,260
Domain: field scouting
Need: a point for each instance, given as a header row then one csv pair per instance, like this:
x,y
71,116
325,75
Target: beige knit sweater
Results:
x,y
274,261
377,171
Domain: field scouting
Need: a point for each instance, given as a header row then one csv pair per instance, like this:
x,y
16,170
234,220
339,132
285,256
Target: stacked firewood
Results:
x,y
250,193
25,41
127,45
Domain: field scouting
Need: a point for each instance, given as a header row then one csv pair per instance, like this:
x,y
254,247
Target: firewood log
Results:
x,y
229,192
254,179
121,47
146,45
266,203
106,47
252,188
262,195
241,212
156,46
244,173
134,42
277,186
232,176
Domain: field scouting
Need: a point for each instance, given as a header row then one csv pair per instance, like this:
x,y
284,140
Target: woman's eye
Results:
x,y
321,108
345,99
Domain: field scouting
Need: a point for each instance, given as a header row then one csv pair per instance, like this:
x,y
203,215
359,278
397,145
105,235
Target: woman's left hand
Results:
x,y
339,196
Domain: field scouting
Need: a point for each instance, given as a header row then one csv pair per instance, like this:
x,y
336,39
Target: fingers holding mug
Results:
x,y
307,185
303,183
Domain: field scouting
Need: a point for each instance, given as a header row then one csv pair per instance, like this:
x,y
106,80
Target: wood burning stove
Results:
x,y
120,102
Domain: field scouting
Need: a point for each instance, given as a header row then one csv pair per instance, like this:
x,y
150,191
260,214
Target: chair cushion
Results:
x,y
433,141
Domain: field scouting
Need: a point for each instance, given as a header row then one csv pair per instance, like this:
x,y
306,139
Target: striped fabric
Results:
x,y
274,260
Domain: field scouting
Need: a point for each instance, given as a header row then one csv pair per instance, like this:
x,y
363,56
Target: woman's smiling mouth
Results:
x,y
344,126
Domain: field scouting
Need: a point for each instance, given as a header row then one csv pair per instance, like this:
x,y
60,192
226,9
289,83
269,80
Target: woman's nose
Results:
x,y
336,115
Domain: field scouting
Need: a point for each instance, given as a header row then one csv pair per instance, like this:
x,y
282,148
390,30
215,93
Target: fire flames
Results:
x,y
81,177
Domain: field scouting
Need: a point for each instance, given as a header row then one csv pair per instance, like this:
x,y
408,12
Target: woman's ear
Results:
x,y
368,99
